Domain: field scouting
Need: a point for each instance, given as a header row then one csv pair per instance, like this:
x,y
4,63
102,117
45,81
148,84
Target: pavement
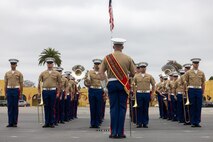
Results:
x,y
30,130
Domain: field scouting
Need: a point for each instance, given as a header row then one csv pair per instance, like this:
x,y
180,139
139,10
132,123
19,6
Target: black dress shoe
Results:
x,y
45,126
121,136
198,125
52,126
14,125
145,126
56,124
187,124
62,122
9,125
112,137
139,126
96,127
92,126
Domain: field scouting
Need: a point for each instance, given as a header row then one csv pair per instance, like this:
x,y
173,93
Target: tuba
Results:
x,y
78,71
171,66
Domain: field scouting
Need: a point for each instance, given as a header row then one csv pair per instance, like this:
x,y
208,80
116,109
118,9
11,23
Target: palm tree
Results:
x,y
50,52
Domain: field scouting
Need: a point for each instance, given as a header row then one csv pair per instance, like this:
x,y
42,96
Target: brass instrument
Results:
x,y
184,109
134,93
171,66
187,99
40,106
78,70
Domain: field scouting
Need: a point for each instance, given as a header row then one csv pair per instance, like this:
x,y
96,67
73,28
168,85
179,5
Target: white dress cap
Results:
x,y
118,41
67,72
50,59
59,69
195,60
181,71
188,65
165,77
13,60
175,74
97,61
143,64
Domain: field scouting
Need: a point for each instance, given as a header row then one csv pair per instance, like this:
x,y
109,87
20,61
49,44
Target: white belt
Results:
x,y
112,79
54,88
196,87
179,92
13,86
94,87
141,91
172,94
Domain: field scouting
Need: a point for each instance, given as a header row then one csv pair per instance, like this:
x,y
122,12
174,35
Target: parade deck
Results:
x,y
29,130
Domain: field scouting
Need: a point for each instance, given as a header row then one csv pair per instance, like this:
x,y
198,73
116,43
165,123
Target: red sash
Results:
x,y
118,72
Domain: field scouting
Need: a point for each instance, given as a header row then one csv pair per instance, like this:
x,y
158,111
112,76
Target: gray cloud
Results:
x,y
155,31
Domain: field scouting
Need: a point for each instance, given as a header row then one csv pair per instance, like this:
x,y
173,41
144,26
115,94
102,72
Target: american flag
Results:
x,y
111,19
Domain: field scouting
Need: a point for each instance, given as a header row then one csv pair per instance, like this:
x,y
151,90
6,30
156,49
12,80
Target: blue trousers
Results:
x,y
57,111
118,104
143,108
169,111
165,106
180,108
49,98
12,105
160,103
95,101
67,108
75,105
62,107
174,108
71,109
103,109
195,98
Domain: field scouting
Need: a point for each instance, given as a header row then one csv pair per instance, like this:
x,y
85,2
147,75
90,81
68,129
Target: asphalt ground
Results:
x,y
30,130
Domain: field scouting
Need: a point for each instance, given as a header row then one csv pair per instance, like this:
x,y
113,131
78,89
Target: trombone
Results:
x,y
187,99
40,106
134,94
187,104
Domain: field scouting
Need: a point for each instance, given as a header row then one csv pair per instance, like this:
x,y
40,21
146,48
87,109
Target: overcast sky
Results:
x,y
156,31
